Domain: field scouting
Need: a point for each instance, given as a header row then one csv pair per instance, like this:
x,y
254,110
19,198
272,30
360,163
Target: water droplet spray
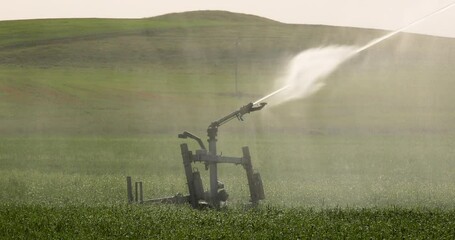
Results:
x,y
308,69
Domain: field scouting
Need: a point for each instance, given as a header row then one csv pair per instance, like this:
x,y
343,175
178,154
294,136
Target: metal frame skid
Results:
x,y
216,196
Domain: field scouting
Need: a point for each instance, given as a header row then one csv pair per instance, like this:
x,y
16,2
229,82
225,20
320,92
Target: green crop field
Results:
x,y
86,102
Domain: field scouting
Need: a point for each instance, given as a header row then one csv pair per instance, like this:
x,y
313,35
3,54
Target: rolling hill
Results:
x,y
183,70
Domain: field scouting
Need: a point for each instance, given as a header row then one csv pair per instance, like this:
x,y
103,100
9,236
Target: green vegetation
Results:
x,y
86,102
170,222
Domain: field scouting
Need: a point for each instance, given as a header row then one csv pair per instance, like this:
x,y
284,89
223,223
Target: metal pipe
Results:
x,y
212,133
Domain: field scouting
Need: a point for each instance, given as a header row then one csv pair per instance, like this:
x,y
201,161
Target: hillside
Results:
x,y
86,102
178,71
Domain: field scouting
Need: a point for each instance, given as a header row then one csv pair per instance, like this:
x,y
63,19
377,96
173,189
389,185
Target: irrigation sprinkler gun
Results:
x,y
216,196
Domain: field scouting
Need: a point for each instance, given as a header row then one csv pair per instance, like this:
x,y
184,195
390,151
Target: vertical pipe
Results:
x,y
129,189
141,193
214,184
212,133
237,67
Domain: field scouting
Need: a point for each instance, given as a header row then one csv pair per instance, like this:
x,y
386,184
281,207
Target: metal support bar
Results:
x,y
177,199
217,159
189,174
249,174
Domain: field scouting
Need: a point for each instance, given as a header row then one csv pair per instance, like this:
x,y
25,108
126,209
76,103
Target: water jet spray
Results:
x,y
333,54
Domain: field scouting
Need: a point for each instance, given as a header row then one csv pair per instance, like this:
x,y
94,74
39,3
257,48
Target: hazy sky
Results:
x,y
384,14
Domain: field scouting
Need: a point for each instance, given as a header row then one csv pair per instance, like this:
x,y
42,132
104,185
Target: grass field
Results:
x,y
86,102
170,222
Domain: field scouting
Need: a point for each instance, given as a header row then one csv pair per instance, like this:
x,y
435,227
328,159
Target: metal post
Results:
x,y
129,189
141,194
136,191
236,67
